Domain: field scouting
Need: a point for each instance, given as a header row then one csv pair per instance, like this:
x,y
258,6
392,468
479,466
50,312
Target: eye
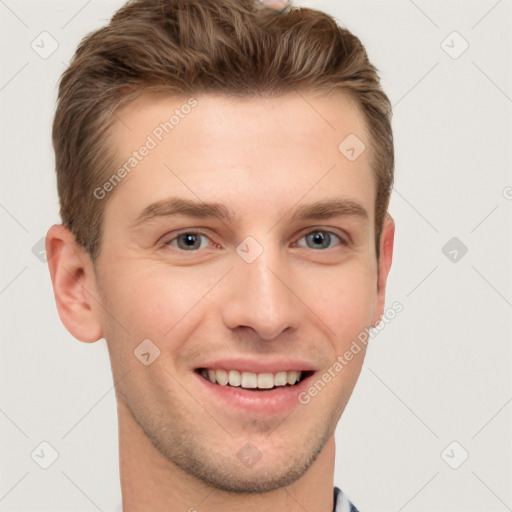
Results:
x,y
189,241
320,239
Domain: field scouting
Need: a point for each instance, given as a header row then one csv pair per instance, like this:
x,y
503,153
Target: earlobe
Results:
x,y
386,257
74,284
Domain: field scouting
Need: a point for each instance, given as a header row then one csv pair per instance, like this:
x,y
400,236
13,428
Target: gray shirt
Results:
x,y
342,503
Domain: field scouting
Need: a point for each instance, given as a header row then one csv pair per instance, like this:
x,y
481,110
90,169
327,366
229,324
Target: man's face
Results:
x,y
281,275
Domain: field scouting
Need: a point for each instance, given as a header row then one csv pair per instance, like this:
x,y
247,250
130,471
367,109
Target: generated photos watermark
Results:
x,y
156,136
343,360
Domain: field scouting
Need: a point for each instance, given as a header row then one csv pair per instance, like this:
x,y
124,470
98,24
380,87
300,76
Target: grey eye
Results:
x,y
319,240
188,241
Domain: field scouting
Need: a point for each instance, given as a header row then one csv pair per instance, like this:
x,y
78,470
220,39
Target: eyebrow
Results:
x,y
330,208
179,206
203,210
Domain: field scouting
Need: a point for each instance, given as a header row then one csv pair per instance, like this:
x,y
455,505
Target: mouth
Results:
x,y
255,382
268,389
265,381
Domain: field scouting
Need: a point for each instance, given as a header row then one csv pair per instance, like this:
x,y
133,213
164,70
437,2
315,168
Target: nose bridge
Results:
x,y
260,299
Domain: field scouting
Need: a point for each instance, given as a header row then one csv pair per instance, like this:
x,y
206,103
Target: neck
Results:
x,y
149,481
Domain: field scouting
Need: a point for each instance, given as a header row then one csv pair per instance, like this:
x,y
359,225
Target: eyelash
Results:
x,y
342,241
168,242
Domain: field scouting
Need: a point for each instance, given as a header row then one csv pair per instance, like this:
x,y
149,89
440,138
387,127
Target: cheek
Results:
x,y
155,299
157,302
344,299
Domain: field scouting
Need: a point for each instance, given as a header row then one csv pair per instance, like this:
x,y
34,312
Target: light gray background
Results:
x,y
439,372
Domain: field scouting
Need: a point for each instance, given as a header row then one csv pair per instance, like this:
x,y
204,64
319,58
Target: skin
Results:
x,y
262,159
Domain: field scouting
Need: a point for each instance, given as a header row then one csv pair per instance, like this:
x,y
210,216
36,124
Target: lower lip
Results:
x,y
273,402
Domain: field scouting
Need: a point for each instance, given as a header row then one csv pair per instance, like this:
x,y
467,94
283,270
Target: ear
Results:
x,y
74,284
387,238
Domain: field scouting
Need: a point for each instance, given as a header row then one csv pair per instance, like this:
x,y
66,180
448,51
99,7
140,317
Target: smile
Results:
x,y
250,380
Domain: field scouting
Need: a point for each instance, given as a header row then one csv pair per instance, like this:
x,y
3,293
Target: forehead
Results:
x,y
219,148
297,117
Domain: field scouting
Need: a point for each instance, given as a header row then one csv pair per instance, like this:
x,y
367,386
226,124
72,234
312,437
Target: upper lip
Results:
x,y
259,365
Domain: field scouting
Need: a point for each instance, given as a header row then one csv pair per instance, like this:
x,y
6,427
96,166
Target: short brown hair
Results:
x,y
188,47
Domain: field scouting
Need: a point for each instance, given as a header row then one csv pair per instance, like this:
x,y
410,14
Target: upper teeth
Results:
x,y
251,380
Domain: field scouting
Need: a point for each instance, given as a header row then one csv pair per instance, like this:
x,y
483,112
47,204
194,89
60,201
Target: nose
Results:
x,y
261,297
